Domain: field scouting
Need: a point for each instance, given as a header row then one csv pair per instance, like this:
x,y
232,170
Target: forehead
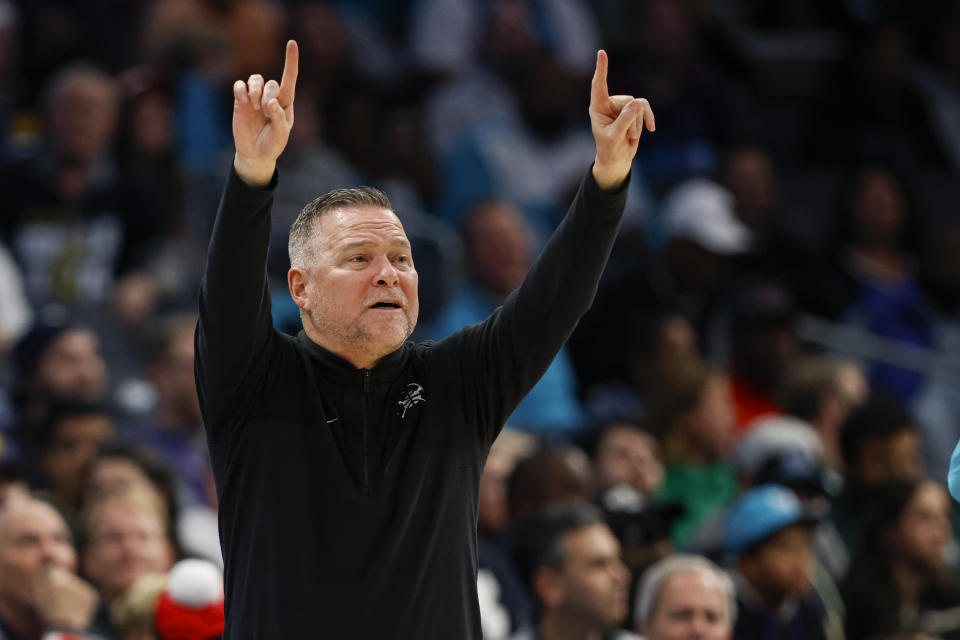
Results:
x,y
30,516
589,542
692,587
343,226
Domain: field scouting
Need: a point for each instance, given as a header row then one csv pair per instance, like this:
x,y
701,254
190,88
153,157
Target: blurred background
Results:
x,y
782,304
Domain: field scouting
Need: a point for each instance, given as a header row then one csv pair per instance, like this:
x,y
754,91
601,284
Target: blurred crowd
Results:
x,y
746,437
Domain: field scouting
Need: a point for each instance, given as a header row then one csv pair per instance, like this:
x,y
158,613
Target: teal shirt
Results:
x,y
701,489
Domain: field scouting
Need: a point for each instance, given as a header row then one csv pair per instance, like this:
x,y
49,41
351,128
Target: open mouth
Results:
x,y
385,305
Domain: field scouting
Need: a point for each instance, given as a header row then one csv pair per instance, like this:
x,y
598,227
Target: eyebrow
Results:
x,y
358,244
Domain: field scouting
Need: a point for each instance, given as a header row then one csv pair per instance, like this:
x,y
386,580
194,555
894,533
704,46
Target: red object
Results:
x,y
749,404
176,621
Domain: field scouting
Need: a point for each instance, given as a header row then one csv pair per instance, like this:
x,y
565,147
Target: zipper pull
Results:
x,y
366,380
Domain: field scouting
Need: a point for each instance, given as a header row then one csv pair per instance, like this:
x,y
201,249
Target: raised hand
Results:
x,y
262,119
617,122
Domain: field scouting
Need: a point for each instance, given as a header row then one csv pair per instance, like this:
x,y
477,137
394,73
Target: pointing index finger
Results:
x,y
599,93
291,67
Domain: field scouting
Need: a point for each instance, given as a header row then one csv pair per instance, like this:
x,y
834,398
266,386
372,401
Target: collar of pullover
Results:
x,y
387,369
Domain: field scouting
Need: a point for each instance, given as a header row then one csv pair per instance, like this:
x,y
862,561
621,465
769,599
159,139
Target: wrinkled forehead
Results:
x,y
345,226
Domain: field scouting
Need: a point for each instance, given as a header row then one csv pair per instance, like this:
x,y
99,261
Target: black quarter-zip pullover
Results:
x,y
348,498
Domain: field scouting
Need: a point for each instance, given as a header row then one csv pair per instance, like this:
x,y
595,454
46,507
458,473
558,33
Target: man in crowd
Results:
x,y
684,597
39,589
348,460
571,562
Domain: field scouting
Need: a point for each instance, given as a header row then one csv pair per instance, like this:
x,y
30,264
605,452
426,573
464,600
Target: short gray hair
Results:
x,y
303,226
655,578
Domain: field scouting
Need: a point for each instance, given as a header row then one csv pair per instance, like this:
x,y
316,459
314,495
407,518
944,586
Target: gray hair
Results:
x,y
303,226
656,577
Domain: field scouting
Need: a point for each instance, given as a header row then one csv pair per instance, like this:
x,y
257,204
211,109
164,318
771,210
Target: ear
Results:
x,y
297,283
548,585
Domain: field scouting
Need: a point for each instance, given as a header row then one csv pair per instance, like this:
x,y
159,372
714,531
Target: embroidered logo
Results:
x,y
413,396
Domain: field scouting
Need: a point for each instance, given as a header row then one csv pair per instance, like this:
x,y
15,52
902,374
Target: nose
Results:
x,y
386,273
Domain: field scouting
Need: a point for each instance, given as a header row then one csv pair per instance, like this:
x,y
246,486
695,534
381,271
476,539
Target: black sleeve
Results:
x,y
235,331
499,360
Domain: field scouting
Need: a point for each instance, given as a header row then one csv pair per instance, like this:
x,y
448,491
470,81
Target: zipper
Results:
x,y
365,385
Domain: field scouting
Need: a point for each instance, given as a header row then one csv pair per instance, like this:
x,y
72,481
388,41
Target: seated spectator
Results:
x,y
175,428
823,391
550,474
124,536
691,411
119,467
879,443
81,228
40,591
571,561
498,251
627,455
763,349
54,362
771,537
899,582
683,597
66,445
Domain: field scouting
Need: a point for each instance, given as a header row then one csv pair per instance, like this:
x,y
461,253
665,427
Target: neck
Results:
x,y
23,622
908,580
561,625
360,360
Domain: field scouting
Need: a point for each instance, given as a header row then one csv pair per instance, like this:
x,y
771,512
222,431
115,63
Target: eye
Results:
x,y
402,259
358,259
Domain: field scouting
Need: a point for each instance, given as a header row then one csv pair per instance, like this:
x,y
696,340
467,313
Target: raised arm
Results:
x,y
503,357
236,326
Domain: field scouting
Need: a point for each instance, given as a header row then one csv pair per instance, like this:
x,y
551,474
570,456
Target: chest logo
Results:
x,y
413,396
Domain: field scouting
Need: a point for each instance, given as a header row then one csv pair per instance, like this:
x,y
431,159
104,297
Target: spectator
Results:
x,y
571,562
627,455
120,467
125,535
822,391
175,429
498,251
550,474
66,446
54,362
80,227
899,581
690,409
683,597
771,537
764,348
39,589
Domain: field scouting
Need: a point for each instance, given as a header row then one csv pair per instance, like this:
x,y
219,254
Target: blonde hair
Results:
x,y
132,611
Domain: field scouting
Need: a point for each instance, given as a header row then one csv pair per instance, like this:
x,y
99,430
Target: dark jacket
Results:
x,y
348,498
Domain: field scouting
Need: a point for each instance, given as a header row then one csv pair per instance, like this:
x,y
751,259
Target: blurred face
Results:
x,y
594,582
923,531
497,247
781,566
33,540
126,541
75,443
711,421
359,294
895,458
691,606
627,455
84,117
879,210
113,475
72,365
750,178
173,379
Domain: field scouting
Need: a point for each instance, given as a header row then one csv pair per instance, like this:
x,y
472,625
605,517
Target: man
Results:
x,y
571,562
125,535
685,597
39,589
348,461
